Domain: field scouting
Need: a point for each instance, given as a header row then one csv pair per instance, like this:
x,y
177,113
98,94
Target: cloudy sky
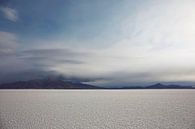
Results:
x,y
102,42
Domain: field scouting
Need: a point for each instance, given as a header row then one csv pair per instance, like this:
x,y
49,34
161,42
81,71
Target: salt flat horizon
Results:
x,y
95,109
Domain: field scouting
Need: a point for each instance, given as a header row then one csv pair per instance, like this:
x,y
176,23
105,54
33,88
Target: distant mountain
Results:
x,y
160,86
62,84
46,84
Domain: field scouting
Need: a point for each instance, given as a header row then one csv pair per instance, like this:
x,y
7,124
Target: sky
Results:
x,y
99,42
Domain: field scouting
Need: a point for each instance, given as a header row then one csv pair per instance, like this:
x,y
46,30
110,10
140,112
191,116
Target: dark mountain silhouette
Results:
x,y
46,84
160,86
62,84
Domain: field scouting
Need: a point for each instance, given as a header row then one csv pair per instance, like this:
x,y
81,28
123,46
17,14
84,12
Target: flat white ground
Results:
x,y
97,109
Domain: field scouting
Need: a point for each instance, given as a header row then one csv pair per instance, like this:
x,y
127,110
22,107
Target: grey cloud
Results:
x,y
10,14
30,64
34,63
127,78
7,43
38,63
53,52
25,75
49,57
62,55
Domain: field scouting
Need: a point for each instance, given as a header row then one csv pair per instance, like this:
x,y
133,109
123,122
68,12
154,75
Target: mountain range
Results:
x,y
62,84
160,86
46,84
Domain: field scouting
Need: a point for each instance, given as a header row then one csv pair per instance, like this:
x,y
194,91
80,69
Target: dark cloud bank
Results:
x,y
38,63
30,64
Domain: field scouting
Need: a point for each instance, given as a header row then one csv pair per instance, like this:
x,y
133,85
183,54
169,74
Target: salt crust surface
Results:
x,y
97,109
